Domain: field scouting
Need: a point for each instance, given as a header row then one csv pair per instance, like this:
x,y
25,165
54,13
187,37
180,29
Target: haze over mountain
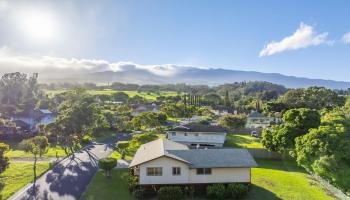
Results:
x,y
193,75
60,69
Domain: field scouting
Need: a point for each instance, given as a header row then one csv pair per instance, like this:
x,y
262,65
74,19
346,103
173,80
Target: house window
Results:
x,y
173,133
203,171
154,171
176,171
197,134
185,134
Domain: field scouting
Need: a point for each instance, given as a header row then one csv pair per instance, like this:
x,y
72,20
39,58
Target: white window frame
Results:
x,y
177,171
154,171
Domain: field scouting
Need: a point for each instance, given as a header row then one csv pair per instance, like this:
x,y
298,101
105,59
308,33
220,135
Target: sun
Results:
x,y
39,26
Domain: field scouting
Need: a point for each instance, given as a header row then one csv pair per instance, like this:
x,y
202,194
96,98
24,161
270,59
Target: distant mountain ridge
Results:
x,y
193,75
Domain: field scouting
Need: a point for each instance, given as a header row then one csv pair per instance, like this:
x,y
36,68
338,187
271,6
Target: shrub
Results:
x,y
138,193
190,190
236,190
87,139
170,193
122,145
132,182
107,164
216,191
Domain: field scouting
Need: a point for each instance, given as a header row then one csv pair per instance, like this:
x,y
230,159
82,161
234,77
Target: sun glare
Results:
x,y
39,26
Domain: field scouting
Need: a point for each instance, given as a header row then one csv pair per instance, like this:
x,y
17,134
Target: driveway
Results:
x,y
68,179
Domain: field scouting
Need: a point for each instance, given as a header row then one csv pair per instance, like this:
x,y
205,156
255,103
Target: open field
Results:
x,y
242,141
18,175
146,95
272,180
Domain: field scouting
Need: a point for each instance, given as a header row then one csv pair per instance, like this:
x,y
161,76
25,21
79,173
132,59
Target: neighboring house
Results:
x,y
258,120
33,118
220,110
194,134
164,162
145,108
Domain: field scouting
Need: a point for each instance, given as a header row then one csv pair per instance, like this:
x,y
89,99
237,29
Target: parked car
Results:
x,y
254,134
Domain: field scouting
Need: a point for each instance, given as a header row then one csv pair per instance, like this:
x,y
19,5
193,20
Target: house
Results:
x,y
145,108
164,162
258,120
33,118
194,134
220,110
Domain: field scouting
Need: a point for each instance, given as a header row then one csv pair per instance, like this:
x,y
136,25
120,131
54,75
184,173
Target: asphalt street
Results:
x,y
69,178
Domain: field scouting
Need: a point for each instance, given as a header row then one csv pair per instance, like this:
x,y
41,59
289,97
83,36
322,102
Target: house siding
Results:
x,y
189,176
221,175
211,138
167,178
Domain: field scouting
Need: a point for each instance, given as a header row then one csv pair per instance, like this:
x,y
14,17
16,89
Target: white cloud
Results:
x,y
11,62
346,38
303,37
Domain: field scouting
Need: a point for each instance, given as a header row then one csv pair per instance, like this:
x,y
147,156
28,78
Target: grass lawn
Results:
x,y
16,153
114,188
242,141
275,179
18,175
272,180
146,95
105,135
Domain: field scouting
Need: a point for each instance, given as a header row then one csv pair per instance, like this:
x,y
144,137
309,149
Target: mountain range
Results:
x,y
193,75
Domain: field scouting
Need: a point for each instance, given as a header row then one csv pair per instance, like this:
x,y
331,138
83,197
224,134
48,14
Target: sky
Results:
x,y
300,38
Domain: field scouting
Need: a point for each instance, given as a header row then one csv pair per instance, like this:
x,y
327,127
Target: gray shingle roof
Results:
x,y
216,158
198,127
195,158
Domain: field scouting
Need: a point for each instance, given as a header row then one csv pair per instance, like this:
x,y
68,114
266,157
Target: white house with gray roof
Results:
x,y
194,134
164,162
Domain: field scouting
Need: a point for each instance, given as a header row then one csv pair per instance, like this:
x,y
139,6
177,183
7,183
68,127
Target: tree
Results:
x,y
326,150
146,120
312,97
279,138
212,99
227,100
110,117
19,90
107,164
231,121
4,160
297,122
302,118
121,146
104,97
37,146
121,96
79,115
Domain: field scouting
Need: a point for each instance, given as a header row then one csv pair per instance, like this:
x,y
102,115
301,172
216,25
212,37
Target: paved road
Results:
x,y
68,179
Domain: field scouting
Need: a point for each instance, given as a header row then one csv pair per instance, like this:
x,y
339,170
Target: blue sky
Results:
x,y
200,33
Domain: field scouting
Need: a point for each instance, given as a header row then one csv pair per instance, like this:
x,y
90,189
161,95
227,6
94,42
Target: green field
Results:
x,y
146,95
18,175
242,141
272,180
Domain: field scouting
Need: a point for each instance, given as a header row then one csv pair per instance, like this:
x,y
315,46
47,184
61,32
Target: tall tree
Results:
x,y
37,146
227,99
4,162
